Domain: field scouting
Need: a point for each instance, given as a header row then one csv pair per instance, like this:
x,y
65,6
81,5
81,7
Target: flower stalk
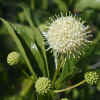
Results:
x,y
60,64
69,88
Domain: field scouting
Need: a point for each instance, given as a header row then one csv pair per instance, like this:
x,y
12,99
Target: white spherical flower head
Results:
x,y
68,35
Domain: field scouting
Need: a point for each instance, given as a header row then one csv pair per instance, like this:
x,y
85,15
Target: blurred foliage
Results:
x,y
26,19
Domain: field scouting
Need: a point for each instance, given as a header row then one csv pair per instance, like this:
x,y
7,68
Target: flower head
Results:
x,y
68,35
13,58
92,77
43,85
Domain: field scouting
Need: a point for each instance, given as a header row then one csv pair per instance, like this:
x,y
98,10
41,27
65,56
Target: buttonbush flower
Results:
x,y
68,35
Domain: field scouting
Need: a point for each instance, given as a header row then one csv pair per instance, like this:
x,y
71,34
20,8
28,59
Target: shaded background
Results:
x,y
11,79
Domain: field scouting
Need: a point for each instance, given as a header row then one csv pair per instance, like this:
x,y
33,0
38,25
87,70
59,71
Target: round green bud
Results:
x,y
64,99
43,85
91,77
13,58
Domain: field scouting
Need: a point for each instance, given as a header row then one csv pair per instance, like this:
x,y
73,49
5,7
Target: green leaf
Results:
x,y
19,45
97,43
28,35
44,4
38,37
61,4
25,86
67,72
45,97
83,4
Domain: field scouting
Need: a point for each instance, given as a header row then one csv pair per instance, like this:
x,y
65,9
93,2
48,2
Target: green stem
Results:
x,y
60,64
69,88
26,86
32,4
25,73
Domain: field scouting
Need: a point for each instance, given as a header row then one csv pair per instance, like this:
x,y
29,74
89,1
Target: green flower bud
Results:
x,y
91,77
64,99
43,85
13,58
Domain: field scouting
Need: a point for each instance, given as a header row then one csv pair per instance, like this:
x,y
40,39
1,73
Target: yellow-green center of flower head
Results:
x,y
13,58
92,77
43,85
68,35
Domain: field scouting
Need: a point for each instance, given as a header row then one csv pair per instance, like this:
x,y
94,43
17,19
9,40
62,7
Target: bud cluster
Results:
x,y
13,58
92,77
43,85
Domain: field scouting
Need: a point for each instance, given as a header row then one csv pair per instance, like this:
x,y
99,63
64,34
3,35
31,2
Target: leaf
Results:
x,y
19,45
38,37
45,97
44,4
25,87
83,4
67,72
28,35
61,4
97,43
